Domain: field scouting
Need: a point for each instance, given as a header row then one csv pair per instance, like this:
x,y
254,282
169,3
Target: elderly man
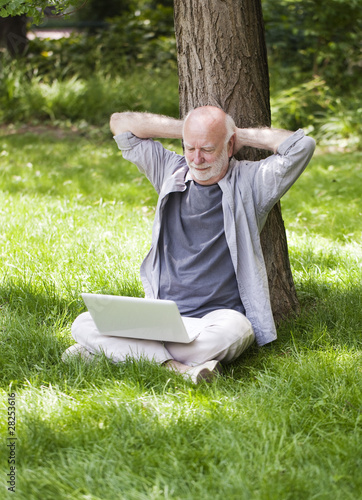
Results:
x,y
205,253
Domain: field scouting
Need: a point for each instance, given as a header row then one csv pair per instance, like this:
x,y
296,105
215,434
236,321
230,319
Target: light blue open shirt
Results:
x,y
250,190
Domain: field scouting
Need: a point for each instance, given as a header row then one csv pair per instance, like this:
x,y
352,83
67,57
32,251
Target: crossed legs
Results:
x,y
224,335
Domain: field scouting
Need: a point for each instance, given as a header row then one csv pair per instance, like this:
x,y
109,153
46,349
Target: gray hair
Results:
x,y
230,127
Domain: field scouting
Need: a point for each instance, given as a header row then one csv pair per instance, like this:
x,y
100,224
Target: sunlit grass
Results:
x,y
283,422
327,198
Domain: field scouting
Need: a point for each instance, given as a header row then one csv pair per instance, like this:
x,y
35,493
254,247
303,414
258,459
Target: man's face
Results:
x,y
207,151
208,164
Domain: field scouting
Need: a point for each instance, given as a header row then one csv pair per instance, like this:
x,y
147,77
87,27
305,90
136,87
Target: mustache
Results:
x,y
198,167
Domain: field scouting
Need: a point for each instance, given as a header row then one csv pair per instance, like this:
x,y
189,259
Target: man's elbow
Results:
x,y
310,146
120,122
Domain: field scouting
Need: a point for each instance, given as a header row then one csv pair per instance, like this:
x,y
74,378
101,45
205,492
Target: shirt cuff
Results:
x,y
285,146
126,141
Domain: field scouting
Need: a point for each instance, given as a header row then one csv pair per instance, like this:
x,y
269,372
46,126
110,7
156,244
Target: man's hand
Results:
x,y
260,138
146,125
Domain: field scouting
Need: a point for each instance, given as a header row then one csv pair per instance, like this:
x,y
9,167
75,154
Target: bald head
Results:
x,y
211,120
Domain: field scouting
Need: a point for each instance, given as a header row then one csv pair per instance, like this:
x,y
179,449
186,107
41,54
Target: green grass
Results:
x,y
283,422
327,200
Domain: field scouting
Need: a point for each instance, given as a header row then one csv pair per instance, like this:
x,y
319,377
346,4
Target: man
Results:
x,y
205,253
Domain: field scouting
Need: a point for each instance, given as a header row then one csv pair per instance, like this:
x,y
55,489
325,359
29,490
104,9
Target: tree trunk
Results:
x,y
13,34
222,61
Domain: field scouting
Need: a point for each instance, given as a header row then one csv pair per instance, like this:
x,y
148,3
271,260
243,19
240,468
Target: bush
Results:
x,y
144,39
131,65
315,37
315,107
89,100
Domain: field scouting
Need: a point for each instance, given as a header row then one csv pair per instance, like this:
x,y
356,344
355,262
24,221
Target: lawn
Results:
x,y
283,422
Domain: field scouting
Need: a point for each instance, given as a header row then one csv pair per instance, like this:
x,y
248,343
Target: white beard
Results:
x,y
205,172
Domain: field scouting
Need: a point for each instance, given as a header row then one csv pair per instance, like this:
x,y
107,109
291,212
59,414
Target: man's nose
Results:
x,y
198,159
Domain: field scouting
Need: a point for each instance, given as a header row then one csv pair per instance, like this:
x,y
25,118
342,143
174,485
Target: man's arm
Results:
x,y
146,125
260,138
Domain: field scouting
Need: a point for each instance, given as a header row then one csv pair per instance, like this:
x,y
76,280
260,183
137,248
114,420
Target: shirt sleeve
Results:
x,y
150,157
273,176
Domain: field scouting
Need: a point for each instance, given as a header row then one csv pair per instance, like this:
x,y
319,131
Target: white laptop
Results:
x,y
150,319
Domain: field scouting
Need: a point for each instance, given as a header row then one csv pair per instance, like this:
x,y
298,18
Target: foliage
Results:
x,y
132,65
332,120
316,38
313,69
282,422
89,75
85,102
93,10
89,101
308,37
35,8
141,38
145,38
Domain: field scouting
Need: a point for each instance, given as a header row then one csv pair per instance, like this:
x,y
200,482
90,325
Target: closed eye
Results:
x,y
203,150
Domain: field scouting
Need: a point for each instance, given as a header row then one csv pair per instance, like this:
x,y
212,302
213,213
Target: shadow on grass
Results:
x,y
35,331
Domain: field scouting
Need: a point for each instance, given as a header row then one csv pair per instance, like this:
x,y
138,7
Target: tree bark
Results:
x,y
222,61
13,34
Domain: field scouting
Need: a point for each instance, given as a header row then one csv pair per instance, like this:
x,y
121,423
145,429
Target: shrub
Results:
x,y
144,39
89,100
315,107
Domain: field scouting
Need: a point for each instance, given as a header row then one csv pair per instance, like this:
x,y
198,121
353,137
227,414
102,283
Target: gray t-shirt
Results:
x,y
196,270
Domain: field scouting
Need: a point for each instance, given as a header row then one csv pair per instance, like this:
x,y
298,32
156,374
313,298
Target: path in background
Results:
x,y
54,34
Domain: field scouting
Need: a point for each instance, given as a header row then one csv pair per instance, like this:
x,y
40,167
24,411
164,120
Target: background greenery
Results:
x,y
283,422
314,52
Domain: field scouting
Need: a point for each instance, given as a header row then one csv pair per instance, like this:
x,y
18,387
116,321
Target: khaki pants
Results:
x,y
224,335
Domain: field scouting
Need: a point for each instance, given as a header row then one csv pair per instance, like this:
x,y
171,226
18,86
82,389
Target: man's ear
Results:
x,y
231,144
